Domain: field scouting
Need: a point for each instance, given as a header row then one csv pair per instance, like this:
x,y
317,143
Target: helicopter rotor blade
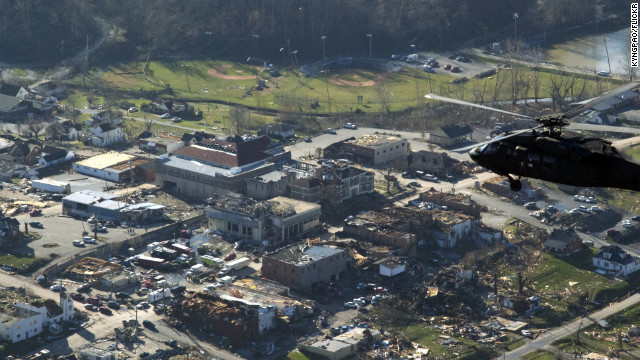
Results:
x,y
466,103
604,97
497,138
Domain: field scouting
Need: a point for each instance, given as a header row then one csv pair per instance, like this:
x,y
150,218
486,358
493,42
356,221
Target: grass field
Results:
x,y
20,262
228,82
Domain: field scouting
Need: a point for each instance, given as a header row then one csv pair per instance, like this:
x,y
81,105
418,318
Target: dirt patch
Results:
x,y
215,72
50,245
342,82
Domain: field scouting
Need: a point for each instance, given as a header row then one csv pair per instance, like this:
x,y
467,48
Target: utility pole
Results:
x,y
86,62
607,49
186,74
257,37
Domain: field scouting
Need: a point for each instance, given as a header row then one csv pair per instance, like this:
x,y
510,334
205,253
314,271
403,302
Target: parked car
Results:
x,y
83,287
408,175
122,295
113,304
463,59
434,64
176,120
78,297
350,126
89,240
57,288
613,232
415,184
36,224
447,67
429,69
455,69
603,73
396,56
350,305
584,209
531,206
430,177
91,307
331,131
35,212
105,310
636,218
308,139
165,116
230,256
148,324
78,243
451,56
430,60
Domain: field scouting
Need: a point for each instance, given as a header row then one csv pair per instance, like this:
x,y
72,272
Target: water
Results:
x,y
589,52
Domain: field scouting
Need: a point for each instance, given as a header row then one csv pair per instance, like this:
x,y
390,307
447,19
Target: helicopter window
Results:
x,y
489,148
534,160
548,163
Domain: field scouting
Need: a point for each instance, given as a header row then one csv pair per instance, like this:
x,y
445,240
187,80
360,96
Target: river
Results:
x,y
589,52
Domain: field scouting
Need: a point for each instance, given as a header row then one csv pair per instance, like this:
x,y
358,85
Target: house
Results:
x,y
25,321
613,260
68,130
374,149
305,267
276,220
282,131
46,88
12,107
106,134
52,156
14,90
563,242
450,135
449,227
335,182
521,303
196,137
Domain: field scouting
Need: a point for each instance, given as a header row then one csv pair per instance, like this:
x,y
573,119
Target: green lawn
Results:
x,y
20,262
540,355
205,80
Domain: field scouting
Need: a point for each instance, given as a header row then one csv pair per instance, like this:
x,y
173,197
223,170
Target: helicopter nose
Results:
x,y
474,154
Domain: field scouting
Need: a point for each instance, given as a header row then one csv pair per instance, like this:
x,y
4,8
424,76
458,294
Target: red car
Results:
x,y
452,56
455,69
434,64
35,212
230,256
105,310
447,67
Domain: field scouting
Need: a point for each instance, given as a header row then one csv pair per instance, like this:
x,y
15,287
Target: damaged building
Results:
x,y
344,345
100,272
374,149
112,166
105,206
215,166
276,220
334,181
26,321
304,267
404,227
236,319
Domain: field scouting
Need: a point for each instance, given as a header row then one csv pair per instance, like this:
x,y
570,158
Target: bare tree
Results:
x,y
385,97
33,126
148,123
625,61
54,131
239,118
501,77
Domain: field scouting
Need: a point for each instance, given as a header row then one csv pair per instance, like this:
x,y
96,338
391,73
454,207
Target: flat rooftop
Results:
x,y
89,197
299,205
375,140
106,160
300,254
206,169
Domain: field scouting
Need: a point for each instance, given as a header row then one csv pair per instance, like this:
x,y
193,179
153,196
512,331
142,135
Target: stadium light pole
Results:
x,y
515,25
607,49
414,48
370,36
326,78
295,56
323,37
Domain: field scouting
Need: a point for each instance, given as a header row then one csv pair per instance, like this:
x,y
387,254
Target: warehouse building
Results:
x,y
112,166
374,149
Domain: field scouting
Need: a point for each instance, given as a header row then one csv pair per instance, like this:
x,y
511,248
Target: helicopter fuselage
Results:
x,y
571,160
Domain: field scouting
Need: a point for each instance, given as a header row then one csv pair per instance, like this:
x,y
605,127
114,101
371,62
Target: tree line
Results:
x,y
42,31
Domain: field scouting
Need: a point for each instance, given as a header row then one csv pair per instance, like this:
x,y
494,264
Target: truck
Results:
x,y
158,295
196,269
182,249
237,263
209,260
412,57
149,262
52,186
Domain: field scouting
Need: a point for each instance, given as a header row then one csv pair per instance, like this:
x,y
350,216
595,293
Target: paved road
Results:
x,y
570,328
605,128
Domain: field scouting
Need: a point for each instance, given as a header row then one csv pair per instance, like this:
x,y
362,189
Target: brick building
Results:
x,y
305,267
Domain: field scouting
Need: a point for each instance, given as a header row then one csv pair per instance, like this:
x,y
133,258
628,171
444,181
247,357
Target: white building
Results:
x,y
112,166
391,267
96,354
266,313
450,227
614,260
106,134
26,321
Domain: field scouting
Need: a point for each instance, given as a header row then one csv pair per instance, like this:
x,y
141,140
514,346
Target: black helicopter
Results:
x,y
546,152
